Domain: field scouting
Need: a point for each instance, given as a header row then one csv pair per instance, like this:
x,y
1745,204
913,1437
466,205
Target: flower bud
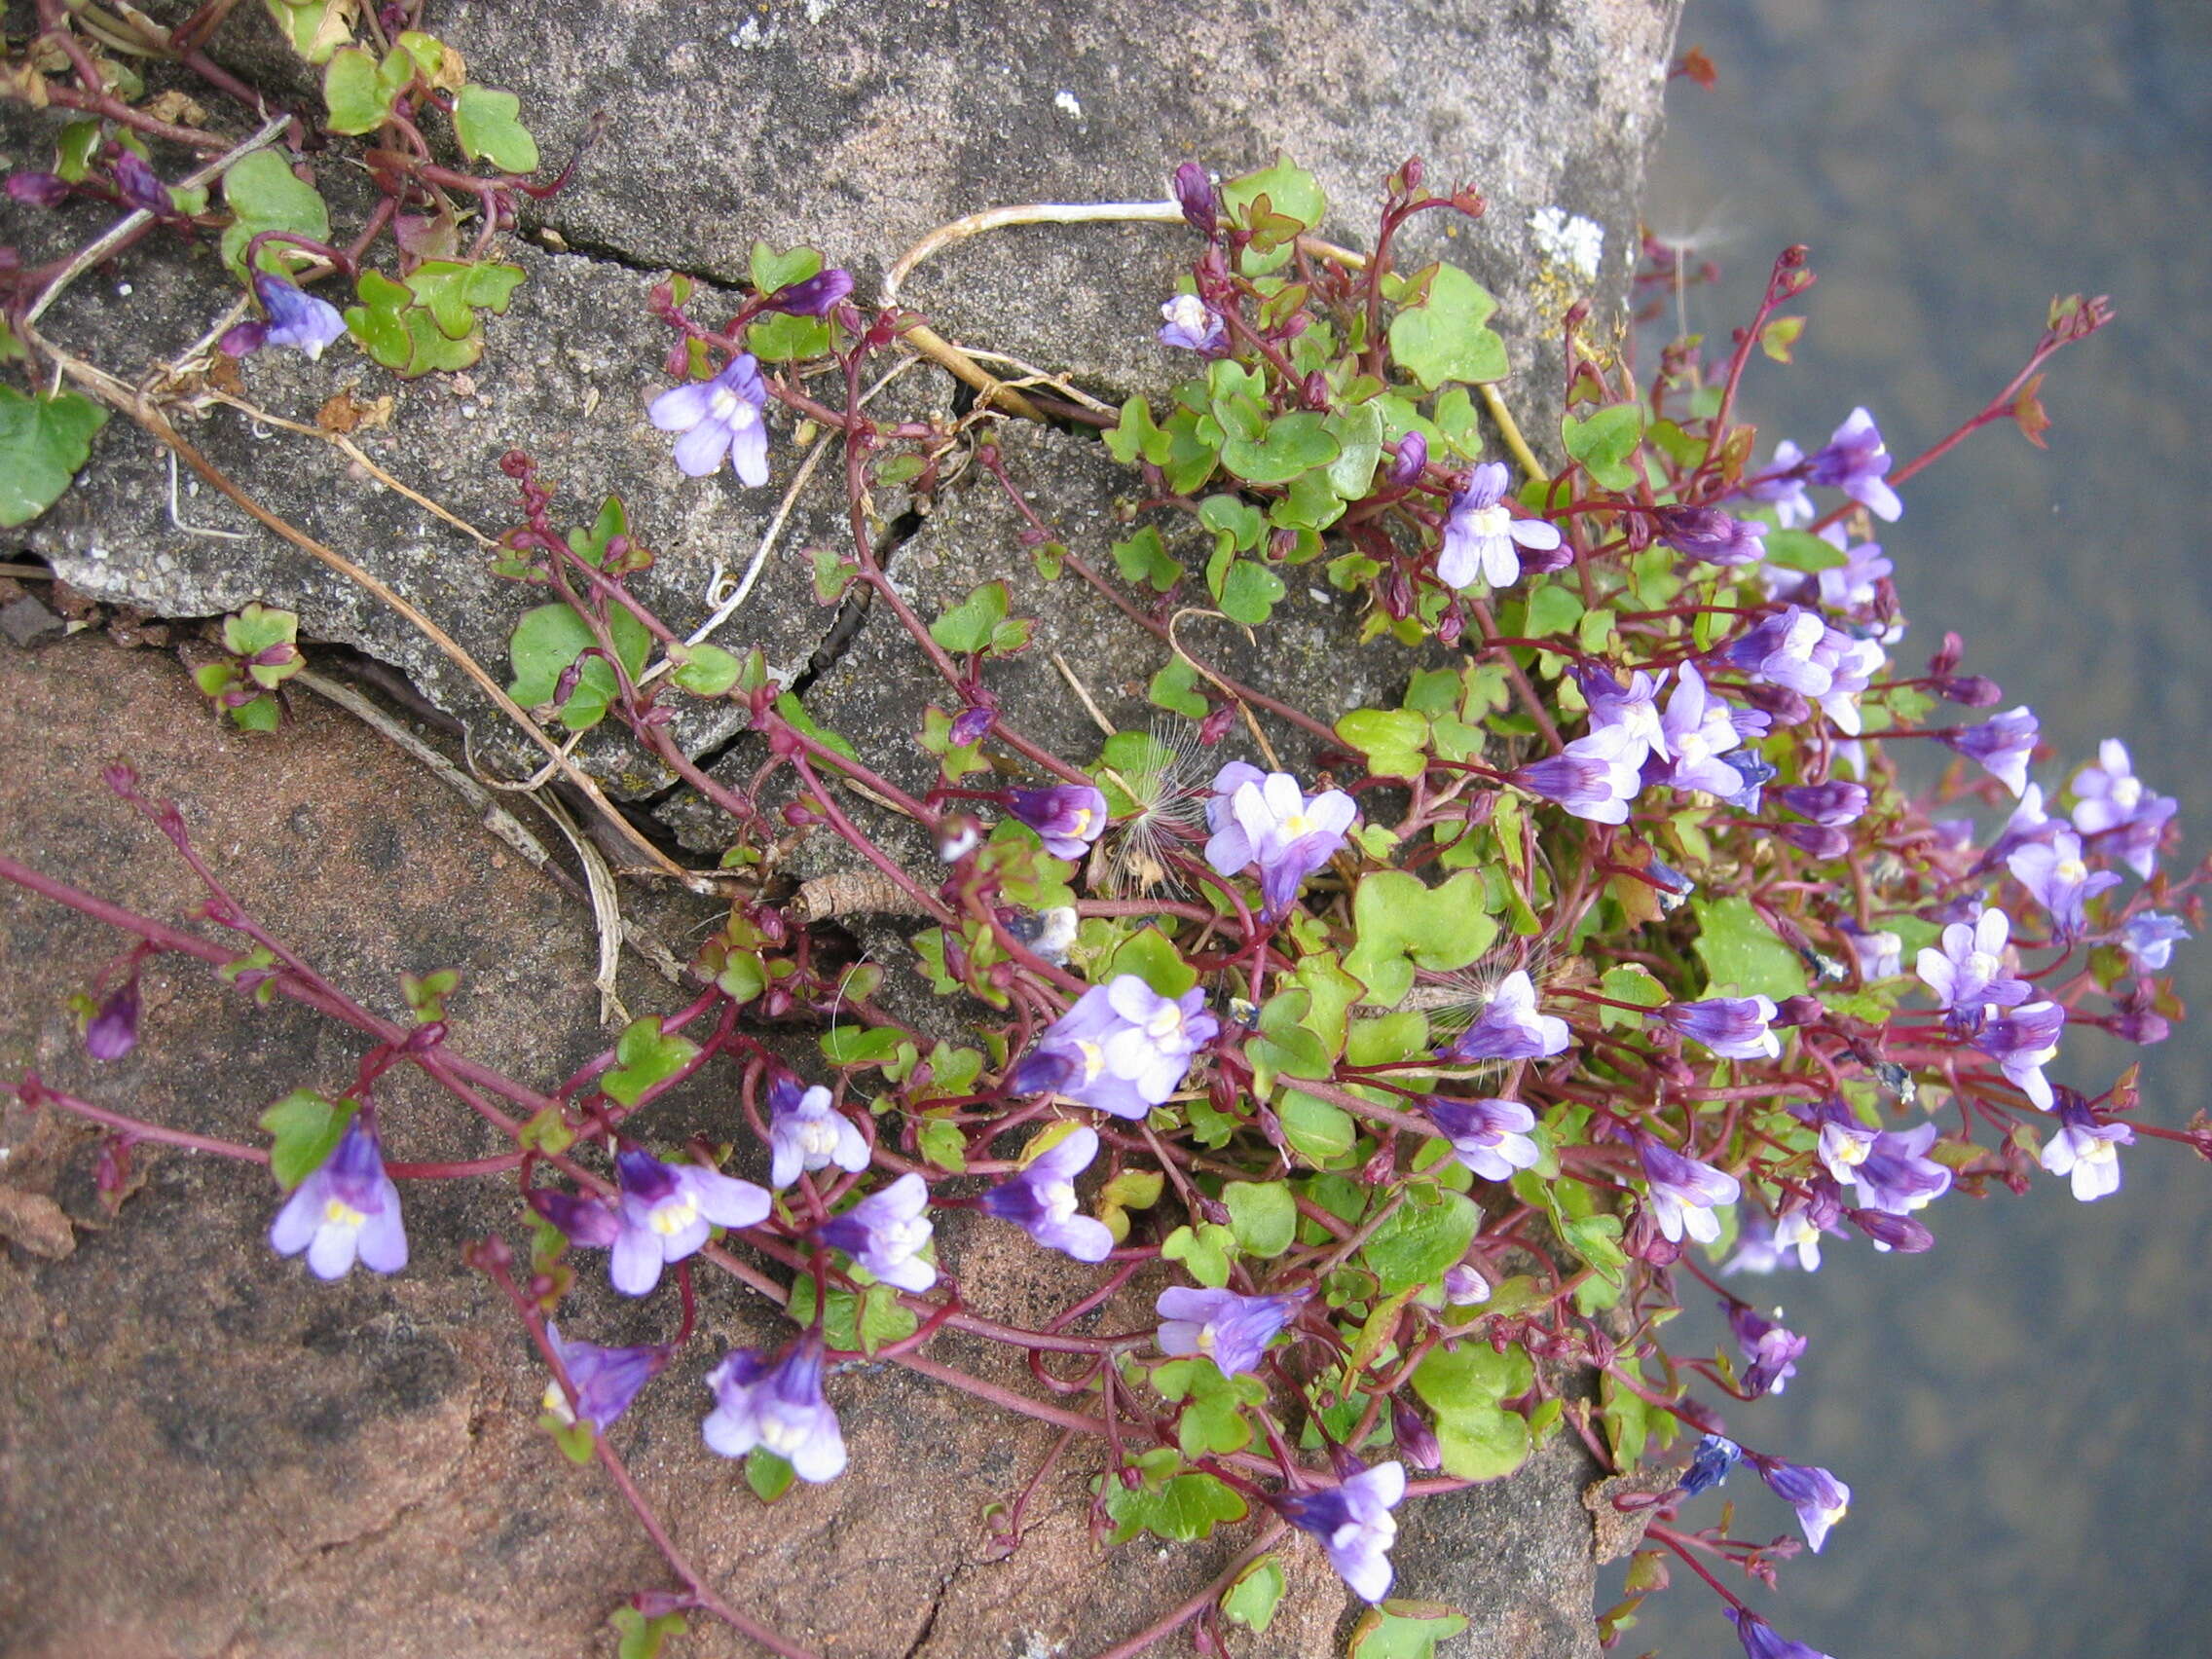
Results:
x,y
140,186
1416,1441
38,189
112,1032
1412,458
1194,194
817,296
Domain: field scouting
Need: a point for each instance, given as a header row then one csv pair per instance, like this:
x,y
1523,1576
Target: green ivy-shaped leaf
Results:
x,y
305,1129
1444,338
1252,1600
265,195
484,120
1175,689
1605,442
1463,1386
1281,449
1246,590
1402,924
1144,560
44,443
969,625
1393,740
453,292
1742,956
1212,1418
644,1056
781,338
1319,1132
401,334
314,30
1181,1507
1263,1215
1400,1629
1416,1246
1204,1251
1136,435
549,638
1358,432
359,91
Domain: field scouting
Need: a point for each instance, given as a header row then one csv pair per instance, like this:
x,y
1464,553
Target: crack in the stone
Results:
x,y
936,1606
607,254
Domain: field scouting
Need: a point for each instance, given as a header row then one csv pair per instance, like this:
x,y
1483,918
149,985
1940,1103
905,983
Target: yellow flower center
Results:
x,y
673,1215
337,1212
1487,522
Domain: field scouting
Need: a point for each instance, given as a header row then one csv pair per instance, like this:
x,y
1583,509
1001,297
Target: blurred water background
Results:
x,y
2025,1413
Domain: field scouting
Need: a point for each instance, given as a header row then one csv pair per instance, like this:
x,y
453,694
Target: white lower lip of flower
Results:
x,y
672,1217
1982,966
904,1239
818,1139
2126,792
2072,872
337,1212
1166,1024
1487,522
1188,312
1058,1199
783,1436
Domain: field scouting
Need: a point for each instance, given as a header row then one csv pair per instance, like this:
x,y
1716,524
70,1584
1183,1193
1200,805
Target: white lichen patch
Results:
x,y
1568,240
1068,104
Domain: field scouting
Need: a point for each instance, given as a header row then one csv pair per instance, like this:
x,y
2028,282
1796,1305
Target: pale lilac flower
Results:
x,y
1595,777
1354,1524
1819,1498
346,1211
2061,882
607,1379
1736,1028
1772,1350
1851,665
2028,824
1463,1287
1633,708
1855,586
1781,652
1855,460
1192,325
1715,1457
2003,744
2084,1149
1481,533
1684,1192
1068,817
1893,1175
1708,534
1288,833
1232,1331
1970,972
2109,795
668,1210
1762,1641
1490,1137
718,418
113,1031
1755,1251
886,1231
778,1406
1844,1142
806,1133
1070,1060
2022,1042
1798,1227
2136,842
1879,954
1509,1027
296,318
1782,486
1696,731
1041,1200
2150,937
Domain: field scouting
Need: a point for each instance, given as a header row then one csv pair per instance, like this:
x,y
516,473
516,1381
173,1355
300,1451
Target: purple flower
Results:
x,y
2136,842
2053,871
113,1031
1892,1172
1684,1190
1271,823
1122,1050
1509,1027
1855,584
1782,486
2108,793
1968,973
1755,1251
296,318
806,1133
1780,651
1490,1137
1595,777
1819,1498
885,1234
607,1379
1355,1525
38,189
140,186
1410,460
1815,840
1413,1435
1851,665
1855,460
2084,1149
346,1209
1834,803
2022,1042
1041,1200
1736,1028
1192,325
2003,744
1068,816
1231,1329
667,1211
1762,1641
1772,1350
1193,193
1696,732
1711,535
1892,1232
778,1406
1798,1227
1753,772
718,418
816,296
1715,1457
1480,533
2148,939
